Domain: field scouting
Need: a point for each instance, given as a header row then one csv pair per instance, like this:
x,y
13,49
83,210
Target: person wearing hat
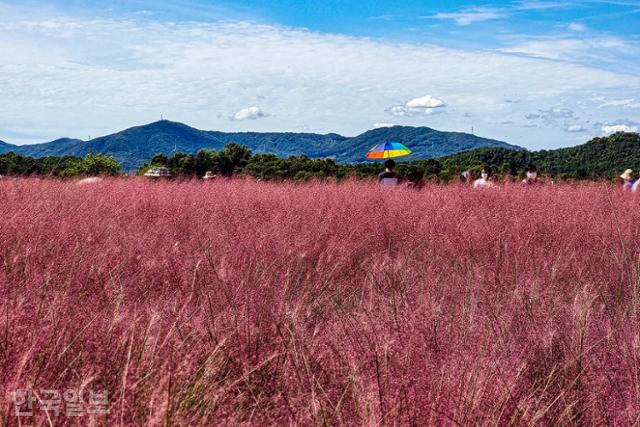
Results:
x,y
628,180
208,175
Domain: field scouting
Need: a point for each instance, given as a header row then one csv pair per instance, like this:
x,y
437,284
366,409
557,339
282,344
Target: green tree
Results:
x,y
233,158
205,160
159,160
92,165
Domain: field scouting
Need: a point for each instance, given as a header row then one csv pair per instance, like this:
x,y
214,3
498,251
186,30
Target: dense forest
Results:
x,y
13,164
604,157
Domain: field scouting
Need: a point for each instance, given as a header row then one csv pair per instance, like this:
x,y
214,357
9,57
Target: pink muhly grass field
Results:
x,y
196,303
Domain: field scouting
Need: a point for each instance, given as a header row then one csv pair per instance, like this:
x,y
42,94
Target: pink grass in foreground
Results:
x,y
321,304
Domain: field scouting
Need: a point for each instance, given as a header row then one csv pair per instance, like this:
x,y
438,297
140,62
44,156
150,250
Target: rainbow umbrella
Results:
x,y
387,150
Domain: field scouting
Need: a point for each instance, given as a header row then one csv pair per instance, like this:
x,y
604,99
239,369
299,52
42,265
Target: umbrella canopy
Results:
x,y
387,150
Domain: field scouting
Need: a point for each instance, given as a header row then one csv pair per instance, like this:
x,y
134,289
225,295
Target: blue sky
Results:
x,y
541,74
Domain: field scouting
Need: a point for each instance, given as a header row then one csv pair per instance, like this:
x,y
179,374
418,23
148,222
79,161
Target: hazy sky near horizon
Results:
x,y
540,74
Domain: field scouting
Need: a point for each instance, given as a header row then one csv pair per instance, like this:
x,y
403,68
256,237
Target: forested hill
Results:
x,y
135,146
599,157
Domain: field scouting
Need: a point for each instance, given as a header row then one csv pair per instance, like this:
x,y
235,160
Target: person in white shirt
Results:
x,y
485,179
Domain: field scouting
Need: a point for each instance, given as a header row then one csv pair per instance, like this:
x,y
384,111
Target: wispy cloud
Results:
x,y
617,103
472,15
543,5
577,27
575,128
601,48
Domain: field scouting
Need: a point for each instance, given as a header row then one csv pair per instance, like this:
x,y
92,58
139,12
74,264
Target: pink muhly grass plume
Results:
x,y
243,302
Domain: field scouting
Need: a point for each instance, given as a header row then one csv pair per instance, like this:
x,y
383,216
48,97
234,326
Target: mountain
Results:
x,y
426,143
599,157
59,147
5,147
137,145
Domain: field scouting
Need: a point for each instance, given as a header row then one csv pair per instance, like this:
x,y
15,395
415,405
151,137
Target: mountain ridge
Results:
x,y
135,145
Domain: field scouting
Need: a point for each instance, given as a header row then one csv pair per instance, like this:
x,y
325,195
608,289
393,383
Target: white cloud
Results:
x,y
575,128
423,105
249,113
609,129
577,27
426,101
383,125
472,15
116,73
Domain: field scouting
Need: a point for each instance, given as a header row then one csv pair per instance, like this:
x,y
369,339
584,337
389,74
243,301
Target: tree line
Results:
x,y
13,164
232,160
599,158
506,164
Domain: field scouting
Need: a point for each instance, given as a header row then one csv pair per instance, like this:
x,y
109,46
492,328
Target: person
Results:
x,y
465,176
415,180
208,175
485,179
531,175
388,177
628,180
